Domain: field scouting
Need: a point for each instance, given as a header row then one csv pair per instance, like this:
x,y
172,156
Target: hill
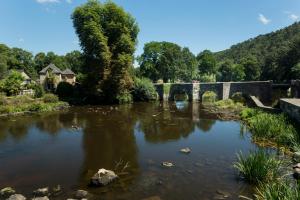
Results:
x,y
272,52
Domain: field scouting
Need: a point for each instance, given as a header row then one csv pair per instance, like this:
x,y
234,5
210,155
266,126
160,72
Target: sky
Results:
x,y
46,25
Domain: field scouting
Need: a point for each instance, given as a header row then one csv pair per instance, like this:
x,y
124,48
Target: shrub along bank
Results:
x,y
26,104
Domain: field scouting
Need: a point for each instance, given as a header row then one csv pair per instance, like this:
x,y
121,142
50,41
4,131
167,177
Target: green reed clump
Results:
x,y
278,190
276,128
258,166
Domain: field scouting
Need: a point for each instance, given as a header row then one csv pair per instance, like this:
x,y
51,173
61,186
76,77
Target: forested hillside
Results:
x,y
277,54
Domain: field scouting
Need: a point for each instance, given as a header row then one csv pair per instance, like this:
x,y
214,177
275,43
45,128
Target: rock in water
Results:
x,y
168,164
41,192
80,194
185,150
41,198
16,197
6,192
296,169
103,177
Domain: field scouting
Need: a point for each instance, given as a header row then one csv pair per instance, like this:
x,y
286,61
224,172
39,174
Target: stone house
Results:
x,y
51,76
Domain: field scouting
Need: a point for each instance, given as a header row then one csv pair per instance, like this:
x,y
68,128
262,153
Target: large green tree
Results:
x,y
207,64
167,61
108,36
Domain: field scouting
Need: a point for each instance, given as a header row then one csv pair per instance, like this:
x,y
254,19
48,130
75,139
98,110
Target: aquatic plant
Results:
x,y
278,190
258,166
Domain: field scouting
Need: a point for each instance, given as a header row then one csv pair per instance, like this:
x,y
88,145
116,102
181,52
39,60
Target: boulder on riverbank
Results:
x,y
16,197
103,177
41,192
6,192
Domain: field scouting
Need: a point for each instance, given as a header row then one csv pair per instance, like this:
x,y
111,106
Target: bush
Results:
x,y
38,91
18,100
259,166
248,113
238,97
144,90
3,100
64,90
50,98
125,97
277,191
209,97
228,104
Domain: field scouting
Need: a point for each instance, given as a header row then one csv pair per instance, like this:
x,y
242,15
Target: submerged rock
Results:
x,y
16,197
6,192
41,192
152,198
185,150
41,198
103,177
80,194
168,164
57,190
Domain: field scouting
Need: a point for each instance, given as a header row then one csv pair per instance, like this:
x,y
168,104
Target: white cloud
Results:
x,y
293,17
263,19
47,1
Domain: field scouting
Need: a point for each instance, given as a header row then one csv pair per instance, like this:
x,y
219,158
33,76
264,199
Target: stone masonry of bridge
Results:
x,y
223,90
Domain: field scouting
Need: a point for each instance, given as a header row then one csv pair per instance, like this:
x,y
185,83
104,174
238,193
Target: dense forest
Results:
x,y
276,55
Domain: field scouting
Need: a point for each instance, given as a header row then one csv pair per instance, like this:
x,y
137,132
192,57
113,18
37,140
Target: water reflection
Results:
x,y
46,149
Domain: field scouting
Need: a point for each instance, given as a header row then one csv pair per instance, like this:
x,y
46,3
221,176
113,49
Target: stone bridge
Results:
x,y
223,90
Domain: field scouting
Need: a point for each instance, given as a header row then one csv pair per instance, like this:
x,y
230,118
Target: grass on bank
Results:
x,y
263,170
19,104
258,166
274,128
278,190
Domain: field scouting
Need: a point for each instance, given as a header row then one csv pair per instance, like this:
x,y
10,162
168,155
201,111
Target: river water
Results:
x,y
67,148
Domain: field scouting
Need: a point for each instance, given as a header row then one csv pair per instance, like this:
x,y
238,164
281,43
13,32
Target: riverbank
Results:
x,y
20,105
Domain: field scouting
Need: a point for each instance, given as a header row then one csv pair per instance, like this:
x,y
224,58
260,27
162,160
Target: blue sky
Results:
x,y
45,25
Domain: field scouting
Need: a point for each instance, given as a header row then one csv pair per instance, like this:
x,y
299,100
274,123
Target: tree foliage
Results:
x,y
108,36
167,61
12,84
272,56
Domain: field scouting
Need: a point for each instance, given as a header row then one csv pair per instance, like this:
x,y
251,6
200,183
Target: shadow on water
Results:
x,y
67,148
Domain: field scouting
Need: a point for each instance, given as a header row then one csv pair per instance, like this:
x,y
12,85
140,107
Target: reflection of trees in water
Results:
x,y
205,124
167,122
108,138
16,129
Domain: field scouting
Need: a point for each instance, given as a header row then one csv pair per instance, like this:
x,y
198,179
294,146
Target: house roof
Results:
x,y
54,69
68,72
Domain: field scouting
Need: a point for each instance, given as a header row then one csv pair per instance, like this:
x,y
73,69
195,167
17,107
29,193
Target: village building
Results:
x,y
51,76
